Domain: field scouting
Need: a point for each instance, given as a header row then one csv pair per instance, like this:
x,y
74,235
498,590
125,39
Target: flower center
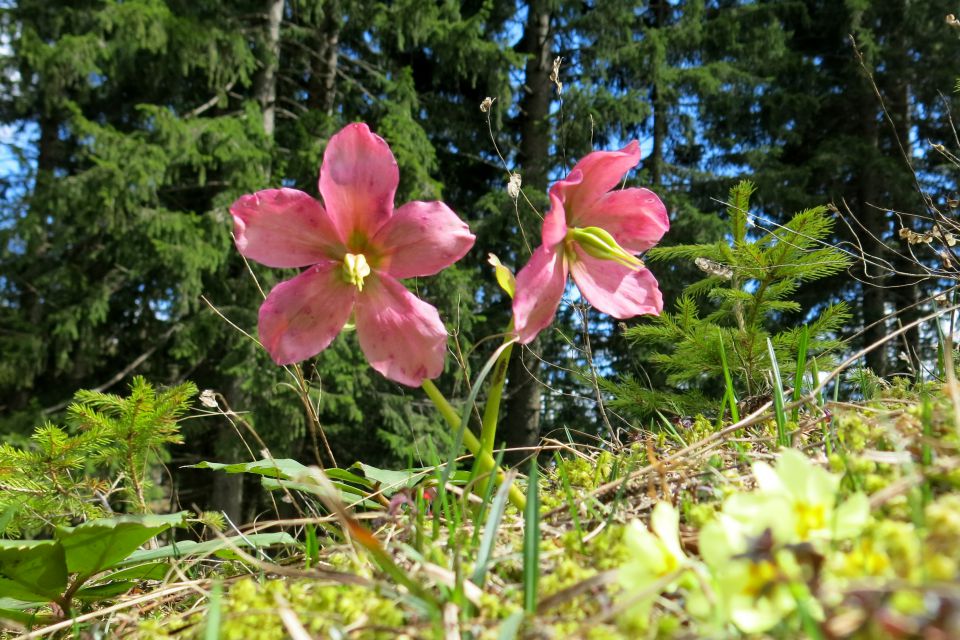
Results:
x,y
810,517
760,575
355,269
600,244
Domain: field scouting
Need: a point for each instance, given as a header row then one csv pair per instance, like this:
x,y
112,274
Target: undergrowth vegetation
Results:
x,y
849,532
791,515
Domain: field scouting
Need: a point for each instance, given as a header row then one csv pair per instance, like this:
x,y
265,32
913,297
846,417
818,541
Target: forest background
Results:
x,y
130,126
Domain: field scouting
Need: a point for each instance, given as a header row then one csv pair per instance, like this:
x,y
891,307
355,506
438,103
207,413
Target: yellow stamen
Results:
x,y
810,517
760,575
600,244
355,269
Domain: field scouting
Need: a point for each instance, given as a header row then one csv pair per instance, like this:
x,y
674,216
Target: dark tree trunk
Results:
x,y
227,491
906,293
323,79
655,161
521,420
873,219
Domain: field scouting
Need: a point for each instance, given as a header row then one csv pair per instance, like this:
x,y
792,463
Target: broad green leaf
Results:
x,y
348,494
100,544
277,468
345,475
218,547
391,481
106,590
32,570
358,479
149,571
20,611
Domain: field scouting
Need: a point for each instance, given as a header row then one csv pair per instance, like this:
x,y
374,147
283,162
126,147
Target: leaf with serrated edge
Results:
x,y
100,544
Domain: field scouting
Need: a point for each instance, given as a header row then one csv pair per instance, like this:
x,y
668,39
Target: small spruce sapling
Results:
x,y
745,295
70,475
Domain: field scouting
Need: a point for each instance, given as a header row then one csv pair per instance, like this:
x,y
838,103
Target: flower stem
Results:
x,y
491,411
485,460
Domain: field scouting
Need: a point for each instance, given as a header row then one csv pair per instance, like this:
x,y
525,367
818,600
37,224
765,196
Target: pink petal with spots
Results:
x,y
284,228
636,218
615,289
555,222
358,179
302,316
422,238
601,171
401,335
539,291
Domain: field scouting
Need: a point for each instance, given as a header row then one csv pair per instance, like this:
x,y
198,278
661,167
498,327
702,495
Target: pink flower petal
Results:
x,y
401,335
302,316
555,222
636,218
358,179
284,228
539,291
601,171
420,239
615,289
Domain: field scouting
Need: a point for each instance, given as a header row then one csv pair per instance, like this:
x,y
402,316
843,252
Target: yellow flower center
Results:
x,y
670,564
759,577
355,269
810,517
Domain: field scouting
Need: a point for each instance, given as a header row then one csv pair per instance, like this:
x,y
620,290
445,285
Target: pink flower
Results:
x,y
593,233
357,248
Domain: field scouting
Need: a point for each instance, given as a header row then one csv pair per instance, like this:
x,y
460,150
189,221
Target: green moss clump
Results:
x,y
250,611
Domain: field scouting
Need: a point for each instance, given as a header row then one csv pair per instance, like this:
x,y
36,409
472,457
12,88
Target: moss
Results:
x,y
250,611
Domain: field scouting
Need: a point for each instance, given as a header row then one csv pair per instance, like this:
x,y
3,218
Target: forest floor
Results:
x,y
856,538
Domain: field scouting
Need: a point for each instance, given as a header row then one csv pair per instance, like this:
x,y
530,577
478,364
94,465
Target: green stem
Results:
x,y
491,411
486,461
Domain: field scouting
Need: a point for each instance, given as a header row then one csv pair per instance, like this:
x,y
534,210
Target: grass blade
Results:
x,y
568,491
510,627
728,381
490,529
802,347
211,630
782,437
531,540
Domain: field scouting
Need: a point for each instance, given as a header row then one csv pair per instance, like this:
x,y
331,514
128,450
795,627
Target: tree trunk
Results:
x,y
655,161
265,83
227,491
906,292
323,79
874,220
521,420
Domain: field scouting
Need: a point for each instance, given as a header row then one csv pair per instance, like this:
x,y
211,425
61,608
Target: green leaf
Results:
x,y
148,571
391,481
217,547
531,540
348,493
32,570
99,544
17,610
277,468
106,590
